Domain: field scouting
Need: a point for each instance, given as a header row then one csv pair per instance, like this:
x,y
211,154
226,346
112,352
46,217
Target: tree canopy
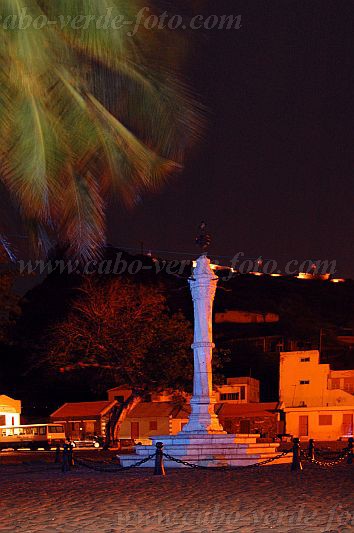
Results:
x,y
122,333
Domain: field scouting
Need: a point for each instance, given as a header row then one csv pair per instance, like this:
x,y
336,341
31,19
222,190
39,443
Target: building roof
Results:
x,y
83,409
241,380
120,387
159,409
230,410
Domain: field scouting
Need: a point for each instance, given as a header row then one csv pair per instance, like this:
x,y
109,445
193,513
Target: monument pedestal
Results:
x,y
207,449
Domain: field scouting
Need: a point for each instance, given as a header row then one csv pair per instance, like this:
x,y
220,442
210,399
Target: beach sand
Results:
x,y
40,498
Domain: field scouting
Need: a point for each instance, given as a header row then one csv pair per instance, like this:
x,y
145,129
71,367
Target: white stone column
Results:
x,y
203,286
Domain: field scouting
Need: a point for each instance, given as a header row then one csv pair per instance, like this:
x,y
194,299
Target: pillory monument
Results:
x,y
202,441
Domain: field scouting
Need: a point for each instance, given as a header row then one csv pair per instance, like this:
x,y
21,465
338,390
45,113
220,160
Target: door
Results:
x,y
303,426
245,427
347,429
134,430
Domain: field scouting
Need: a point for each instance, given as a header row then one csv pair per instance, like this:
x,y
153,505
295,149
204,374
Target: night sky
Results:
x,y
273,175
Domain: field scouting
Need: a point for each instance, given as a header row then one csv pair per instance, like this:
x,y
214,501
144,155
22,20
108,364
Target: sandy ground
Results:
x,y
40,498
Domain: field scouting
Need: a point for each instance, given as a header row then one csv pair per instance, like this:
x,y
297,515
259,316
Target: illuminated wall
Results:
x,y
10,411
305,382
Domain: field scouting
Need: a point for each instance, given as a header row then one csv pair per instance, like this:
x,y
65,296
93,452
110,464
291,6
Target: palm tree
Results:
x,y
84,112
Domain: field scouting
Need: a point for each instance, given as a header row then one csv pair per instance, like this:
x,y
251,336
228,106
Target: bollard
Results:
x,y
350,450
159,467
70,455
57,454
296,464
65,466
311,450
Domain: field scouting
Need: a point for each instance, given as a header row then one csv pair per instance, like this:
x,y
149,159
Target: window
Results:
x,y
349,386
325,420
335,383
304,382
42,430
243,392
153,425
305,360
55,429
230,396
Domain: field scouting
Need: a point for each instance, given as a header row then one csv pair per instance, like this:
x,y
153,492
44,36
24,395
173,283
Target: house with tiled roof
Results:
x,y
154,418
168,418
84,419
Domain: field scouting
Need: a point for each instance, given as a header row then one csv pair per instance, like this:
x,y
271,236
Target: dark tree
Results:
x,y
120,332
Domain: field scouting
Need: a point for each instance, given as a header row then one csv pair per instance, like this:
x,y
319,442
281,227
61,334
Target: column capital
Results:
x,y
203,270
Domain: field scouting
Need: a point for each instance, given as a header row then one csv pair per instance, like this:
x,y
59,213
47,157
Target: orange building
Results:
x,y
318,402
10,411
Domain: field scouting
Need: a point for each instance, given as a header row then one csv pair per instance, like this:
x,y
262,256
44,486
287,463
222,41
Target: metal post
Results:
x,y
296,464
70,455
57,454
159,467
350,451
311,450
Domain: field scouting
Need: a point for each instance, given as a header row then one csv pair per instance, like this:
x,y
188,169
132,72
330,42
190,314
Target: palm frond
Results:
x,y
84,112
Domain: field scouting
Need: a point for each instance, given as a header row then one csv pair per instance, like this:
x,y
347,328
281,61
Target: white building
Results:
x,y
238,390
10,411
318,402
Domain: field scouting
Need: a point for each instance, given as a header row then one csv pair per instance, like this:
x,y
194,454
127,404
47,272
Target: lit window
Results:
x,y
305,360
304,382
325,420
153,425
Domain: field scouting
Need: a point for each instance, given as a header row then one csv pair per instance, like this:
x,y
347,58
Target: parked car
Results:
x,y
89,442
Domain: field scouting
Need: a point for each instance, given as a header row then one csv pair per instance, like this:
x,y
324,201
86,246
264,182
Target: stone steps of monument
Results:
x,y
214,439
212,461
179,449
208,452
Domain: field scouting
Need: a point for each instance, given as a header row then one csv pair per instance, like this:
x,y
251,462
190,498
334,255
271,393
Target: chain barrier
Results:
x,y
310,456
326,463
225,467
118,468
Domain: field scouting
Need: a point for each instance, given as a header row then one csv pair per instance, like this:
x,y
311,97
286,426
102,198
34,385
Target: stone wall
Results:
x,y
267,426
